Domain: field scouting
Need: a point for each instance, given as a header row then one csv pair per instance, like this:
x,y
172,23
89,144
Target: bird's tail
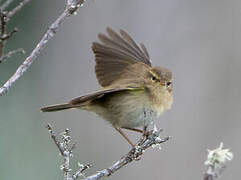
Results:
x,y
57,107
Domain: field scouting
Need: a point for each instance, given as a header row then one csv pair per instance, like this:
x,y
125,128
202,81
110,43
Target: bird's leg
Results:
x,y
145,132
134,129
124,135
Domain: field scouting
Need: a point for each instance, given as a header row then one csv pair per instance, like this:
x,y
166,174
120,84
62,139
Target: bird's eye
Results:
x,y
169,84
153,78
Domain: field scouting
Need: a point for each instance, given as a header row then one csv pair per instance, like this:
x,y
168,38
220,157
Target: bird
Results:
x,y
133,93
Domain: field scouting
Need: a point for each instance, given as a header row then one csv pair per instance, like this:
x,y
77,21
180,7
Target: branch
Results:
x,y
71,7
17,8
216,161
9,54
6,4
65,148
8,35
4,18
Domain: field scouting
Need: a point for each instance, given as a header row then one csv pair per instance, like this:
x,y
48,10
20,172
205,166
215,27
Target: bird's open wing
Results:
x,y
115,54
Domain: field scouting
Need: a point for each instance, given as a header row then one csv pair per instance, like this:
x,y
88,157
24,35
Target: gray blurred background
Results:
x,y
199,40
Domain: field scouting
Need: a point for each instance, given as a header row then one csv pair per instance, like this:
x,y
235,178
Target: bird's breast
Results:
x,y
129,109
161,101
136,111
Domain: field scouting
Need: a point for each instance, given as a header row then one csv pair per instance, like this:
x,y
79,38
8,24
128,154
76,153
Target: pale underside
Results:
x,y
126,109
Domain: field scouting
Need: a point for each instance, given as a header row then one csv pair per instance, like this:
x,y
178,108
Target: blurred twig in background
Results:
x,y
17,8
71,8
10,53
6,4
216,161
5,16
66,147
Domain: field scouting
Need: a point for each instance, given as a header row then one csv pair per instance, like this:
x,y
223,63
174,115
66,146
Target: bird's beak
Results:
x,y
163,83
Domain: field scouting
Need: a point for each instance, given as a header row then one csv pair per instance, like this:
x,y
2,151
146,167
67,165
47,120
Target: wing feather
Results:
x,y
106,51
128,38
109,42
115,55
143,47
99,94
121,41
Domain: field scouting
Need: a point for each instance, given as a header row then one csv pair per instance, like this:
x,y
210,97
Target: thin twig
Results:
x,y
6,4
152,139
71,7
3,22
209,175
3,17
10,53
79,172
64,151
17,8
65,146
53,136
8,35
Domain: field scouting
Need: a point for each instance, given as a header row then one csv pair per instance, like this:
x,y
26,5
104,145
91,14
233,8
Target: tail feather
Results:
x,y
57,107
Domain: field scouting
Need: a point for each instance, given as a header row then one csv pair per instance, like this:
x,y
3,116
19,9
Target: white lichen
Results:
x,y
218,157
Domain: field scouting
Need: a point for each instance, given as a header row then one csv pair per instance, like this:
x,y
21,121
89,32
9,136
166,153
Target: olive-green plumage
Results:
x,y
133,92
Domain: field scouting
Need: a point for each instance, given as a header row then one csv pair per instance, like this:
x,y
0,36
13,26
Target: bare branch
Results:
x,y
66,147
9,54
79,172
53,136
6,4
7,36
72,6
4,18
152,139
210,175
63,149
17,8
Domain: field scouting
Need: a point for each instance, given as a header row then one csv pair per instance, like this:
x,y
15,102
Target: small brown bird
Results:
x,y
134,93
